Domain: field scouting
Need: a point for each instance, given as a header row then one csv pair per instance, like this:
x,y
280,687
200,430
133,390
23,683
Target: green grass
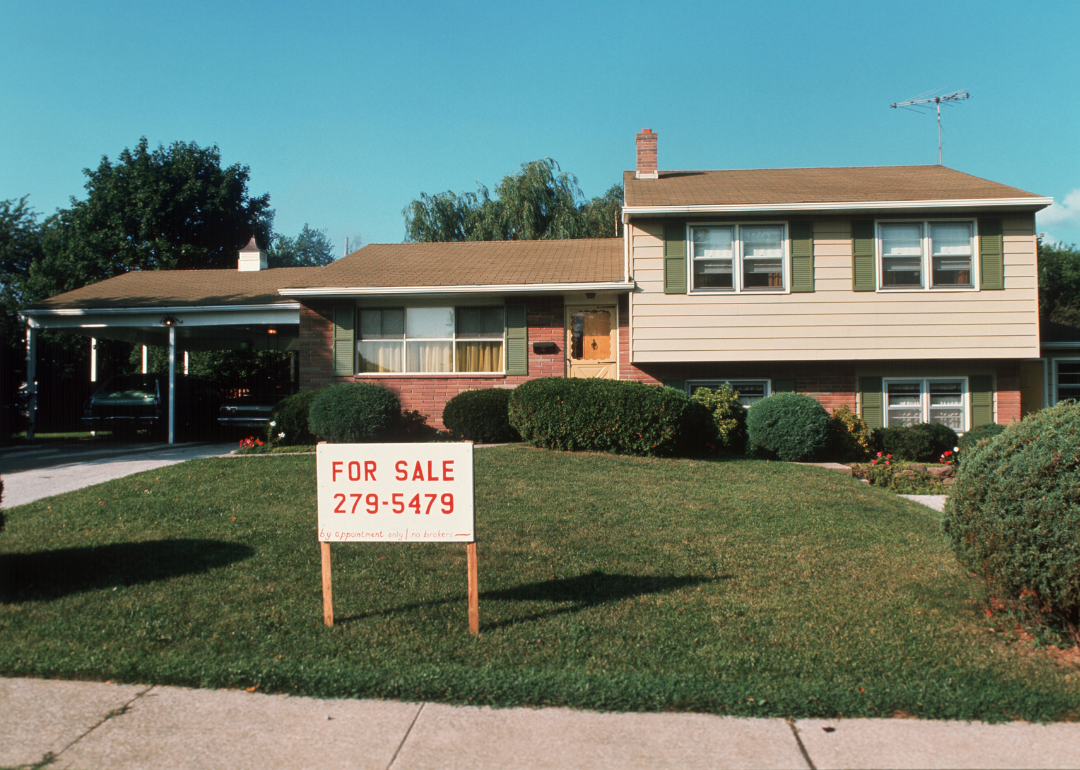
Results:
x,y
746,588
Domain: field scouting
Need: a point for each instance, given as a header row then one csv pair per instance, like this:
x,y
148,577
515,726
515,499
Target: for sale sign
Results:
x,y
395,492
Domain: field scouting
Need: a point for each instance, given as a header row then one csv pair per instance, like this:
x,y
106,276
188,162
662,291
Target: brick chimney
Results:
x,y
646,155
252,258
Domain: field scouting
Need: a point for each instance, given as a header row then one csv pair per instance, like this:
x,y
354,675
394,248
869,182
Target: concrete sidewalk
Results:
x,y
95,725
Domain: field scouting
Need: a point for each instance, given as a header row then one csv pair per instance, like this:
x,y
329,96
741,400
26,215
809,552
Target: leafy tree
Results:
x,y
173,207
309,248
539,202
1059,282
20,248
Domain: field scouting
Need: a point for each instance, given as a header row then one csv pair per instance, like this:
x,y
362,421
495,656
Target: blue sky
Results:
x,y
346,111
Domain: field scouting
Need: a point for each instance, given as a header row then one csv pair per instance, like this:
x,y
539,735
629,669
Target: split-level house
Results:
x,y
908,294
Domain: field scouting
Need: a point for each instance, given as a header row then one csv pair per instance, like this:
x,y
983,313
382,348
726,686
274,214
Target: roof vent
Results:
x,y
646,155
252,258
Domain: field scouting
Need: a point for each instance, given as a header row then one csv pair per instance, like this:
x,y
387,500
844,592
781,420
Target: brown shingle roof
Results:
x,y
472,263
786,186
181,288
477,263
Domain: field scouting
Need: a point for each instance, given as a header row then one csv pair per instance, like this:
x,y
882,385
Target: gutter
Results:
x,y
513,288
77,311
744,208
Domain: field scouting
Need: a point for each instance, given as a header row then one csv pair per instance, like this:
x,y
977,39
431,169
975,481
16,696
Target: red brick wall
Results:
x,y
1008,394
429,394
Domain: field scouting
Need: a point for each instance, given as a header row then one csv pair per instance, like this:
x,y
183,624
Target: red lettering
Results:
x,y
336,469
369,470
418,472
430,473
354,471
402,469
448,470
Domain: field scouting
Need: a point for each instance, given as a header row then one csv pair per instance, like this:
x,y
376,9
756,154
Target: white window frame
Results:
x,y
453,339
924,397
1055,384
926,257
737,259
713,384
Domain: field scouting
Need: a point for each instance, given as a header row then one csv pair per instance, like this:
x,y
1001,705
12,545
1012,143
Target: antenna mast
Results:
x,y
923,100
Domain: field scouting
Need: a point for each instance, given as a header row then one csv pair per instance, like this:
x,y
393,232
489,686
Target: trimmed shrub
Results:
x,y
724,423
970,439
789,426
851,438
290,417
1014,513
353,412
922,443
480,415
599,415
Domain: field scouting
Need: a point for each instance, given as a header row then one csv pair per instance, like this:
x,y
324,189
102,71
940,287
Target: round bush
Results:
x,y
480,415
1013,516
353,413
970,439
290,417
599,415
789,426
922,443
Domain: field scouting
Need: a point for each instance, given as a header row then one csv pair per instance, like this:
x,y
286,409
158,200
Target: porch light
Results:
x,y
170,321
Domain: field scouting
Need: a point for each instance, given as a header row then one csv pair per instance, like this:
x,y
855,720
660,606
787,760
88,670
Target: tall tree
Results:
x,y
20,248
167,208
540,202
309,248
1059,282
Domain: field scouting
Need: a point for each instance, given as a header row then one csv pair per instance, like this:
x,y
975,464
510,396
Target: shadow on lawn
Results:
x,y
44,575
569,594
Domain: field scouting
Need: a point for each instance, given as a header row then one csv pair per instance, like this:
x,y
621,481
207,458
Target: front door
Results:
x,y
592,342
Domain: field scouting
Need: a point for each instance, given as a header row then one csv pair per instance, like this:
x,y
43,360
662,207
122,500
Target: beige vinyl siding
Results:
x,y
834,322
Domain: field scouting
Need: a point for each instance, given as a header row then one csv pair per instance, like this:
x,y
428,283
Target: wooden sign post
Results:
x,y
398,493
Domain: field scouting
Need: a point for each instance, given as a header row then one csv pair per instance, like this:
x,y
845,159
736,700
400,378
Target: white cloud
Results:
x,y
1065,213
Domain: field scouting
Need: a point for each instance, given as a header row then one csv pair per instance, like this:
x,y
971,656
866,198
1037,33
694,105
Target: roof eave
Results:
x,y
436,291
1027,204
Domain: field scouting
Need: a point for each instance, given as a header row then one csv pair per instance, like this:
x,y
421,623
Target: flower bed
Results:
x,y
906,478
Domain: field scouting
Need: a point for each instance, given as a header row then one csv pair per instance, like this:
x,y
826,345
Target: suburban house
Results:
x,y
907,293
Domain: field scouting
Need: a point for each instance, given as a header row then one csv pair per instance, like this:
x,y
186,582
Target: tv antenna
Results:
x,y
924,100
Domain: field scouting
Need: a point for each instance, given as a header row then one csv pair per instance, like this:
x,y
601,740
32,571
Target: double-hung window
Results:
x,y
944,401
920,255
738,258
427,340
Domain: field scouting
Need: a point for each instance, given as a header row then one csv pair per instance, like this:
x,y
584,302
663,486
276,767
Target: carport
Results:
x,y
180,310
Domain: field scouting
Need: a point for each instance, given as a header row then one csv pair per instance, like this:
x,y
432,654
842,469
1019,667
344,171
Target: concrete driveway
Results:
x,y
36,471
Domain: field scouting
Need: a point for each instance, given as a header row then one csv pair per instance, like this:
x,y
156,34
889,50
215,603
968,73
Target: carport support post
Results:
x,y
172,384
31,380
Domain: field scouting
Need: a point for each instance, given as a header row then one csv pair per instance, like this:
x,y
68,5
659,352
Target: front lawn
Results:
x,y
746,588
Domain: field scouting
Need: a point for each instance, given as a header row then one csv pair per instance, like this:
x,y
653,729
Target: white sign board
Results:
x,y
395,492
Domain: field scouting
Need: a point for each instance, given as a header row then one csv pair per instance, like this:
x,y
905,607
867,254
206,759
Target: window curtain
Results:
x,y
479,356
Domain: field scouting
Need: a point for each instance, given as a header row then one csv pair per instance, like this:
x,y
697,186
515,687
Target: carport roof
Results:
x,y
181,288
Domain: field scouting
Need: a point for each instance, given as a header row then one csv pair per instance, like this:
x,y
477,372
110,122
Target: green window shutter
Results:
x,y
802,256
517,340
862,256
981,392
783,385
991,255
873,410
675,259
344,346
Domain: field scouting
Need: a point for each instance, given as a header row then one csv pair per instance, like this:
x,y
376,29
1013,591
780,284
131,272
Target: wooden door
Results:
x,y
592,342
